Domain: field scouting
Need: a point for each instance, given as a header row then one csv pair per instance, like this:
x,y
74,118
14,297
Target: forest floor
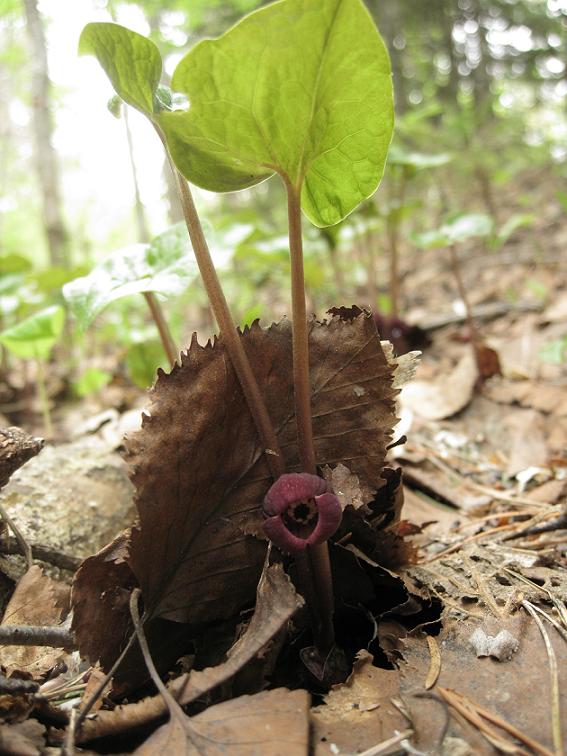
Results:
x,y
470,657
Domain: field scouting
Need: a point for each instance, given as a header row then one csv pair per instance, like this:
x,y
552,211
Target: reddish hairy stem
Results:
x,y
314,566
226,324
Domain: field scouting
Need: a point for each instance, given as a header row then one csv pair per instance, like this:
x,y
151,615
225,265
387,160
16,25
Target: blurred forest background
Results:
x,y
481,101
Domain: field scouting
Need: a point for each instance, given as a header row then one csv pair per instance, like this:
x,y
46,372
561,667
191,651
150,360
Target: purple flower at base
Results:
x,y
300,512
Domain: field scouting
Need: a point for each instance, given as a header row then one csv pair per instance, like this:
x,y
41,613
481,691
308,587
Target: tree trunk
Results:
x,y
45,156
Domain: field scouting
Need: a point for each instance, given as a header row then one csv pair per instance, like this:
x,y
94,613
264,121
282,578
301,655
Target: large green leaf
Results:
x,y
132,62
299,88
35,336
165,266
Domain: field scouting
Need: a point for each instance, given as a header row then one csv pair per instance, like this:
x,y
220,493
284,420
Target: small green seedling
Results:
x,y
33,339
165,267
454,231
91,382
298,89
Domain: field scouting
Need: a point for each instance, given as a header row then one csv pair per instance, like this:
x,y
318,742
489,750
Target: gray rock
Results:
x,y
74,497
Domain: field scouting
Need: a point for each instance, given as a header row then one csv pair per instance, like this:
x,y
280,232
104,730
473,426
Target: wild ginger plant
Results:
x,y
301,90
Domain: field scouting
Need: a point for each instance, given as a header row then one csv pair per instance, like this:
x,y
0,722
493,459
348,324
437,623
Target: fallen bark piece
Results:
x,y
16,448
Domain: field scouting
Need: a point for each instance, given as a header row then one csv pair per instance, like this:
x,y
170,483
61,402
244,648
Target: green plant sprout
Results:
x,y
455,231
297,89
162,267
33,339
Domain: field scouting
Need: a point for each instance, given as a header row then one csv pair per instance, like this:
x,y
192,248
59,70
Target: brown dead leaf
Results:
x,y
517,691
359,713
529,445
276,603
22,739
272,723
100,592
198,465
37,600
446,396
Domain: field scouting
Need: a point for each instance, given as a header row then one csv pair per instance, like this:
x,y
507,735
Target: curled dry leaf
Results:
x,y
443,398
100,592
37,600
200,473
276,603
271,722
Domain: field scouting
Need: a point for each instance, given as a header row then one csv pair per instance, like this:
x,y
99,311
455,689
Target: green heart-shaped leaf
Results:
x,y
132,62
165,266
299,88
35,336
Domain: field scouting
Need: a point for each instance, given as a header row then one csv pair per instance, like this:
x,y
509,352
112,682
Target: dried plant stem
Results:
x,y
226,324
318,565
56,636
41,552
144,236
25,548
84,712
475,336
554,675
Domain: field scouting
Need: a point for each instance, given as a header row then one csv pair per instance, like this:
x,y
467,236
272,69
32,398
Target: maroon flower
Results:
x,y
300,512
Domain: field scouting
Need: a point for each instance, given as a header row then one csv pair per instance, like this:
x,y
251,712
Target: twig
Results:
x,y
25,548
55,636
386,745
68,748
13,686
469,539
84,712
472,712
44,553
554,675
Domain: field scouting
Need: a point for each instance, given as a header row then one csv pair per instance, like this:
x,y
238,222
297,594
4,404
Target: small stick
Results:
x,y
42,552
25,548
55,636
84,712
554,675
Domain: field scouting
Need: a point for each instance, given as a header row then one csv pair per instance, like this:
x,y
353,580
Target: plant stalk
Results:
x,y
314,566
226,324
43,398
393,232
161,324
456,268
144,236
